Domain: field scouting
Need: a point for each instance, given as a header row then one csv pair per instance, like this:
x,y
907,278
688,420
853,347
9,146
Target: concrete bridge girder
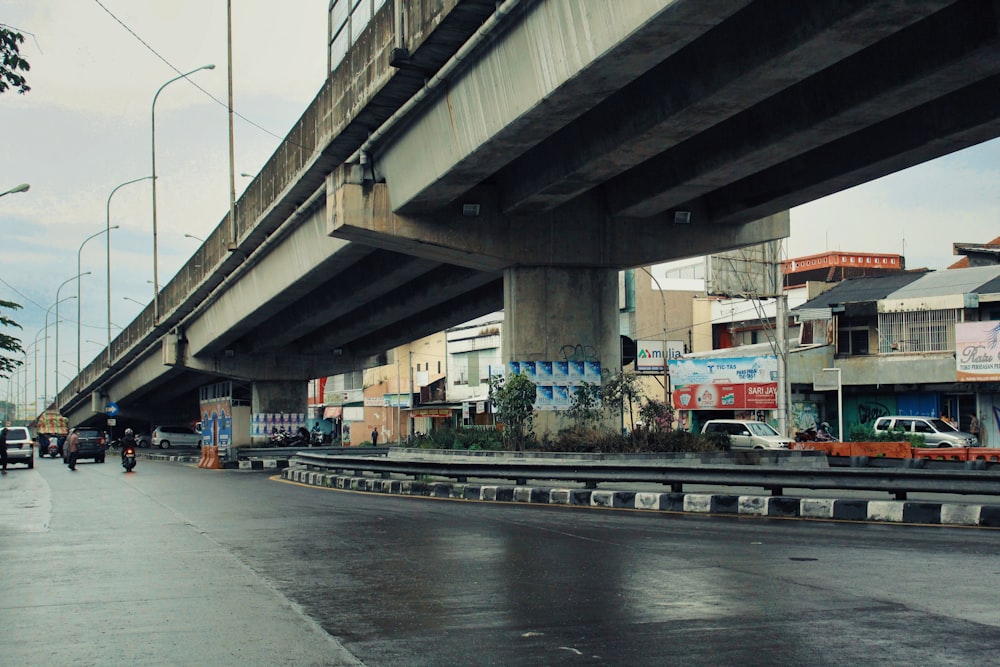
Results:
x,y
578,234
729,108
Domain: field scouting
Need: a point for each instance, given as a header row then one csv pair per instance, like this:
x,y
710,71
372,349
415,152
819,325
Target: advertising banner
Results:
x,y
556,381
737,383
977,351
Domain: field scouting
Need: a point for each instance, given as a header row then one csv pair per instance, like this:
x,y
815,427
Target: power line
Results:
x,y
283,140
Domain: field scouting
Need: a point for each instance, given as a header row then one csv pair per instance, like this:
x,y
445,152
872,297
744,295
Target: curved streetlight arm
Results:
x,y
79,295
152,123
107,226
48,312
68,280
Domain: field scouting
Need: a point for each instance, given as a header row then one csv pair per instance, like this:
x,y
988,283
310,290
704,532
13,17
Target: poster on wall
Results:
x,y
735,383
556,381
217,423
977,351
263,424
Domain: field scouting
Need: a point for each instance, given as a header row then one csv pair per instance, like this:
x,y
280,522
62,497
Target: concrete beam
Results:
x,y
577,234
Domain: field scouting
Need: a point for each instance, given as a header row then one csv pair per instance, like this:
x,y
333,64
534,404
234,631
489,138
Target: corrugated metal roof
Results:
x,y
856,290
946,283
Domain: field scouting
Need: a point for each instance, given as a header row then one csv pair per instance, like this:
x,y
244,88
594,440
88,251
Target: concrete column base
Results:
x,y
562,314
278,396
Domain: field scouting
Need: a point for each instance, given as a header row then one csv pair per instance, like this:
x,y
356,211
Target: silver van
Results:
x,y
936,432
747,434
169,436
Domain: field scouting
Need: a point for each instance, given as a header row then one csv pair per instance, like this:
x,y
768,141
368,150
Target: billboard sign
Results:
x,y
977,351
651,355
735,383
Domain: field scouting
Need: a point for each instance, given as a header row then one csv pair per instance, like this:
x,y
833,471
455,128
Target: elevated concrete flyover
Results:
x,y
471,155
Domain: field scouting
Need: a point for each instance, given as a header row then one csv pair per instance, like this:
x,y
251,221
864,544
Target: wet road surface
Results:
x,y
237,568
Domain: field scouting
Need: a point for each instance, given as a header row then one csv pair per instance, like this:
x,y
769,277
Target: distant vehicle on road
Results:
x,y
169,436
747,434
19,446
93,444
936,432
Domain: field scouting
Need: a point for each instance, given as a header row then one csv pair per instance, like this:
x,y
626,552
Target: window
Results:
x,y
852,340
919,331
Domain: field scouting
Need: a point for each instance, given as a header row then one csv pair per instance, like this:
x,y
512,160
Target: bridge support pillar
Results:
x,y
285,396
561,314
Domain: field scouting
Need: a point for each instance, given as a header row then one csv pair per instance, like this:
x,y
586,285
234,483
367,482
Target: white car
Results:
x,y
747,434
19,446
166,437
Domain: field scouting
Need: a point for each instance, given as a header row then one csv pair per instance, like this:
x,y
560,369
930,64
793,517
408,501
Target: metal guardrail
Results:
x,y
897,482
288,452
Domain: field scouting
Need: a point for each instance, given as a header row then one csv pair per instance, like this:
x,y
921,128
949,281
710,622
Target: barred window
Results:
x,y
919,331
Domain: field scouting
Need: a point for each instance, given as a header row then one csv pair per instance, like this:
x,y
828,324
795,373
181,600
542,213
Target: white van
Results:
x,y
936,432
747,434
169,436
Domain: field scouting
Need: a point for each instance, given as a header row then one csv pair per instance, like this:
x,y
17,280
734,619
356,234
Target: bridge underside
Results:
x,y
577,135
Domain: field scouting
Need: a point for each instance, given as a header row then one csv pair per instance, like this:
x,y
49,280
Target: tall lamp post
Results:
x,y
79,295
23,187
68,280
156,276
107,227
35,345
45,374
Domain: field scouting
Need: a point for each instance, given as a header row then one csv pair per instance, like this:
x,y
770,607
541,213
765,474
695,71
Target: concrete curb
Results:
x,y
254,464
880,511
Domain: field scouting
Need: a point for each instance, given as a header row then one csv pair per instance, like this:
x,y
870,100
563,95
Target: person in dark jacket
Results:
x,y
3,448
73,449
375,437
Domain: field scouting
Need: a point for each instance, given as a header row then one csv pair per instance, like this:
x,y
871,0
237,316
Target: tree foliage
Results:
x,y
12,64
8,343
514,398
624,390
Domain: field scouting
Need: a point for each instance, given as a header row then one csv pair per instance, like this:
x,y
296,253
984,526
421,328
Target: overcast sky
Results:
x,y
85,128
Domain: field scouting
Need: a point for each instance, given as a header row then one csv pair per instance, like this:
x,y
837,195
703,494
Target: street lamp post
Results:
x,y
35,345
45,374
107,227
156,277
76,277
23,187
79,295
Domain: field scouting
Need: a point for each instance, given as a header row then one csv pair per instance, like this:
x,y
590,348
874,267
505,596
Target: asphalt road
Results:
x,y
173,565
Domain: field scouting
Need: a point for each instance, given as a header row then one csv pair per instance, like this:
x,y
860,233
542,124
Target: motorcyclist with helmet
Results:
x,y
128,440
823,433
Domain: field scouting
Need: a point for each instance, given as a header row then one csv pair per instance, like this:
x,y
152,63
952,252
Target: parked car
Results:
x,y
93,444
747,434
19,446
168,436
936,432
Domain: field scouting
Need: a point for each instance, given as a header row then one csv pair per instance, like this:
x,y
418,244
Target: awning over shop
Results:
x,y
333,412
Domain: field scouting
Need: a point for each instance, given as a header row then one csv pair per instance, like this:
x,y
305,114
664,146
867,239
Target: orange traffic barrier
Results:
x,y
204,456
984,454
940,453
213,459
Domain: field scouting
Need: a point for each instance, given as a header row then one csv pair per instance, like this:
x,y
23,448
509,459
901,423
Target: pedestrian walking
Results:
x,y
73,445
3,448
375,437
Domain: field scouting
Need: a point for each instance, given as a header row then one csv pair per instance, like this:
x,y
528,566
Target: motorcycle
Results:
x,y
53,449
128,458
